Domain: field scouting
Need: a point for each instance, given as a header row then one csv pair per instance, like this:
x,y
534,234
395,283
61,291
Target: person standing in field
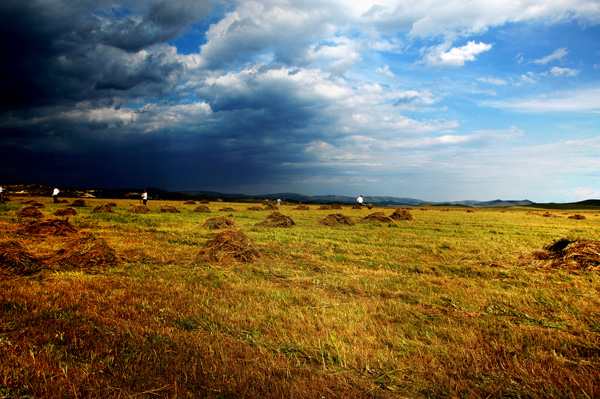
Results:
x,y
2,194
145,197
55,195
360,200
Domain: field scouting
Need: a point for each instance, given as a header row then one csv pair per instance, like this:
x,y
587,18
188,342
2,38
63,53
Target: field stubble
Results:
x,y
448,304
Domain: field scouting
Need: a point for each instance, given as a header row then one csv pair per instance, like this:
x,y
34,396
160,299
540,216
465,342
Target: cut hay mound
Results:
x,y
577,217
169,209
190,202
49,227
336,206
228,209
205,202
378,217
103,209
401,214
276,219
112,204
271,207
302,208
78,203
356,206
369,206
36,204
202,209
84,252
29,212
218,222
336,219
571,255
140,209
255,208
65,212
324,208
16,261
230,245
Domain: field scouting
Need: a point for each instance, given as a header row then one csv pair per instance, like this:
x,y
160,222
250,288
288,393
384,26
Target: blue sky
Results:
x,y
431,99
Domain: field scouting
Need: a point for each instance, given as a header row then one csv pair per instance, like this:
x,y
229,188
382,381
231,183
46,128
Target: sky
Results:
x,y
438,100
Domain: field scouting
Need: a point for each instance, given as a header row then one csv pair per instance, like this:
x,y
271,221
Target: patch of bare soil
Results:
x,y
401,214
68,211
16,261
140,209
277,219
570,255
230,245
85,252
169,209
45,228
302,208
78,203
29,212
218,222
202,209
378,217
337,219
103,209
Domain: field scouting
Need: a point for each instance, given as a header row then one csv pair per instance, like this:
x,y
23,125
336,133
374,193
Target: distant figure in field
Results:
x,y
55,194
360,200
278,201
2,194
145,197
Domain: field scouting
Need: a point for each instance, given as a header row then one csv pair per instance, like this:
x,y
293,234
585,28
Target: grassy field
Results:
x,y
450,304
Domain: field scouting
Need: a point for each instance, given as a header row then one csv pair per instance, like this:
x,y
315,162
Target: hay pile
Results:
x,y
103,209
218,222
302,208
356,206
230,245
324,207
369,206
202,208
16,261
68,211
378,217
228,209
577,217
78,203
336,206
206,202
570,255
255,208
336,219
190,202
169,209
140,209
35,203
401,214
276,219
29,212
44,228
85,252
271,207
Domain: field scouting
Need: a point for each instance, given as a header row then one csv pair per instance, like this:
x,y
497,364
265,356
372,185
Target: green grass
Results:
x,y
446,305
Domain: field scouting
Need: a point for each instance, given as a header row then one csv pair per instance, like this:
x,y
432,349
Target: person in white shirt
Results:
x,y
145,197
55,195
2,194
360,200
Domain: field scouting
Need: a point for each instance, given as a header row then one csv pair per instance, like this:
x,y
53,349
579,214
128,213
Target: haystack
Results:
x,y
202,208
84,252
302,208
337,219
112,204
140,209
336,206
271,207
571,255
16,261
577,217
255,208
44,228
206,202
356,206
230,245
103,209
401,214
218,222
169,209
228,209
369,206
324,207
378,217
276,219
78,203
190,202
68,211
36,204
29,212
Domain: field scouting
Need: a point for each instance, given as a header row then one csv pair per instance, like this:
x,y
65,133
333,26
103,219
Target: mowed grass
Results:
x,y
448,304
